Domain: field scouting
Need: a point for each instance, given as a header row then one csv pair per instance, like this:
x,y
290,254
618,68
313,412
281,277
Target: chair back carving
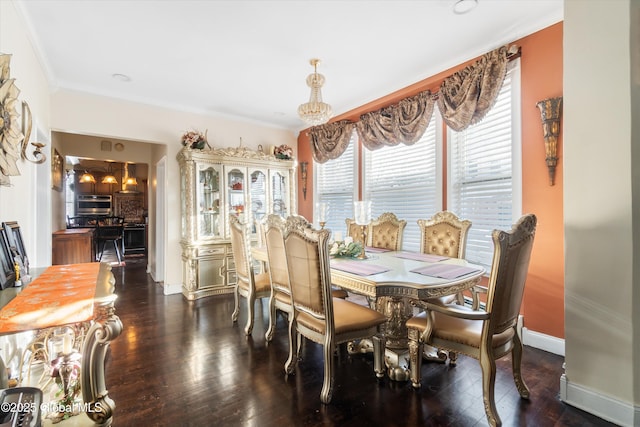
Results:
x,y
274,241
240,250
444,234
512,252
386,232
307,253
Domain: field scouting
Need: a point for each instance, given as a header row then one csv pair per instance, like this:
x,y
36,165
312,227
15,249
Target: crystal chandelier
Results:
x,y
315,112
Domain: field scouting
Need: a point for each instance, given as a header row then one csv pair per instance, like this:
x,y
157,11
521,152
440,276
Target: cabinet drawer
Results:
x,y
211,251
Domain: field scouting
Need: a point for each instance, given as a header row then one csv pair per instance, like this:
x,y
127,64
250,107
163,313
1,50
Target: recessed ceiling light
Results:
x,y
121,77
464,6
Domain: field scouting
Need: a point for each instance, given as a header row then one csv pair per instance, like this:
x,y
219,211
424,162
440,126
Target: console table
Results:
x,y
66,295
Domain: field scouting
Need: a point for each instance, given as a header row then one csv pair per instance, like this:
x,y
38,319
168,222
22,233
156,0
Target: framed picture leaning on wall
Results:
x,y
7,266
16,244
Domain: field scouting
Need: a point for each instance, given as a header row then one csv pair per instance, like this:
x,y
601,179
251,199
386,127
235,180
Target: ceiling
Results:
x,y
249,60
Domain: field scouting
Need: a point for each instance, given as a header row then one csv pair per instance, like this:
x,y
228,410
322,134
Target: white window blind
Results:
x,y
484,171
336,185
404,179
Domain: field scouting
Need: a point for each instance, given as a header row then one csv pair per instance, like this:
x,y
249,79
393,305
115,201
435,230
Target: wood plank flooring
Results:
x,y
181,363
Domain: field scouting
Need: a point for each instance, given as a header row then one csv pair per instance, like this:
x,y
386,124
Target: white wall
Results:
x,y
32,189
601,341
85,114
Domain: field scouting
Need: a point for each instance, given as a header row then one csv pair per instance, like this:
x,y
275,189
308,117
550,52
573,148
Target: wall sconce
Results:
x,y
303,176
550,110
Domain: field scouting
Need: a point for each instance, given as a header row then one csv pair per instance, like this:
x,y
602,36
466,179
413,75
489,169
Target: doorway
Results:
x,y
160,217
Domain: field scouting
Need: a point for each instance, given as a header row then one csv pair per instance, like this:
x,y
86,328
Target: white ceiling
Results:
x,y
249,59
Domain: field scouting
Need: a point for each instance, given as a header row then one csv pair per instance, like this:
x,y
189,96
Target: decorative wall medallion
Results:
x,y
14,134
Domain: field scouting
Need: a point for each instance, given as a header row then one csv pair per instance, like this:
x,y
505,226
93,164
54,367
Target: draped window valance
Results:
x,y
330,140
463,99
403,122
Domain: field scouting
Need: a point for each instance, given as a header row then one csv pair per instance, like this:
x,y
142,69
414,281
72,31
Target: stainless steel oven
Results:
x,y
93,204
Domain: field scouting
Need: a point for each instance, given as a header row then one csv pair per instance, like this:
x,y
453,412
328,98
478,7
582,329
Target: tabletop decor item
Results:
x,y
322,212
65,370
346,249
362,216
283,152
195,139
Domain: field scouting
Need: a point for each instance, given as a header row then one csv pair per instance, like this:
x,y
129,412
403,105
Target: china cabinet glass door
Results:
x,y
235,191
279,193
258,197
208,199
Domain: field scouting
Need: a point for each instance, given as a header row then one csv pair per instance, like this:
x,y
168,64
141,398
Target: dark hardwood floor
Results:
x,y
181,363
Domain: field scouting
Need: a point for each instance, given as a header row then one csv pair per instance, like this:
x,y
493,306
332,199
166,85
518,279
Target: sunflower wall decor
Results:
x,y
14,133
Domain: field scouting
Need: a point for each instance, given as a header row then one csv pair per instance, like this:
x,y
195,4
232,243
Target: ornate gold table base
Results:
x,y
397,310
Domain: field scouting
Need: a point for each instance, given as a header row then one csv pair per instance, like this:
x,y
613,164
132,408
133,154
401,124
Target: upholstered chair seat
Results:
x,y
262,283
349,318
485,335
466,332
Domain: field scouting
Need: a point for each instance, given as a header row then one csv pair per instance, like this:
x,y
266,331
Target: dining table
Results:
x,y
390,280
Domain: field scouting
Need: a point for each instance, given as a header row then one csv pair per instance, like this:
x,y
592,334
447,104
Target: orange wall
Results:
x,y
541,71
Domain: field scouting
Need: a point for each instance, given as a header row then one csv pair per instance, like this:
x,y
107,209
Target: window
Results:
x,y
405,180
336,184
484,182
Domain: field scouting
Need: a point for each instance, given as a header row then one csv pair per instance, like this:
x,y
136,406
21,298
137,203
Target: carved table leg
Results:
x,y
106,327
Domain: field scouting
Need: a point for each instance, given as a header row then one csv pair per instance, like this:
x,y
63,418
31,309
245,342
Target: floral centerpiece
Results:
x,y
195,139
346,248
283,152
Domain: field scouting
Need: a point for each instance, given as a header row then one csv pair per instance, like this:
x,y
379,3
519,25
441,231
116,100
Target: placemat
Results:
x,y
358,267
376,250
445,271
421,257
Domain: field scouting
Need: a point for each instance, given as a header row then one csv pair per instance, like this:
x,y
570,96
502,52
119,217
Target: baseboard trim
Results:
x,y
605,407
543,342
172,289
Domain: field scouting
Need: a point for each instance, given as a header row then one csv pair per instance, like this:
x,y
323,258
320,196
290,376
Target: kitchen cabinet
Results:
x,y
73,246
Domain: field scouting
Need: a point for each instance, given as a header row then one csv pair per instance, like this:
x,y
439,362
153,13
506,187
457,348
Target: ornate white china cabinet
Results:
x,y
213,184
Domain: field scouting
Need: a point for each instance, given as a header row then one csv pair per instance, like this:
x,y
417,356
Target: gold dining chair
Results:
x,y
249,285
485,335
386,232
355,232
445,234
318,316
280,297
